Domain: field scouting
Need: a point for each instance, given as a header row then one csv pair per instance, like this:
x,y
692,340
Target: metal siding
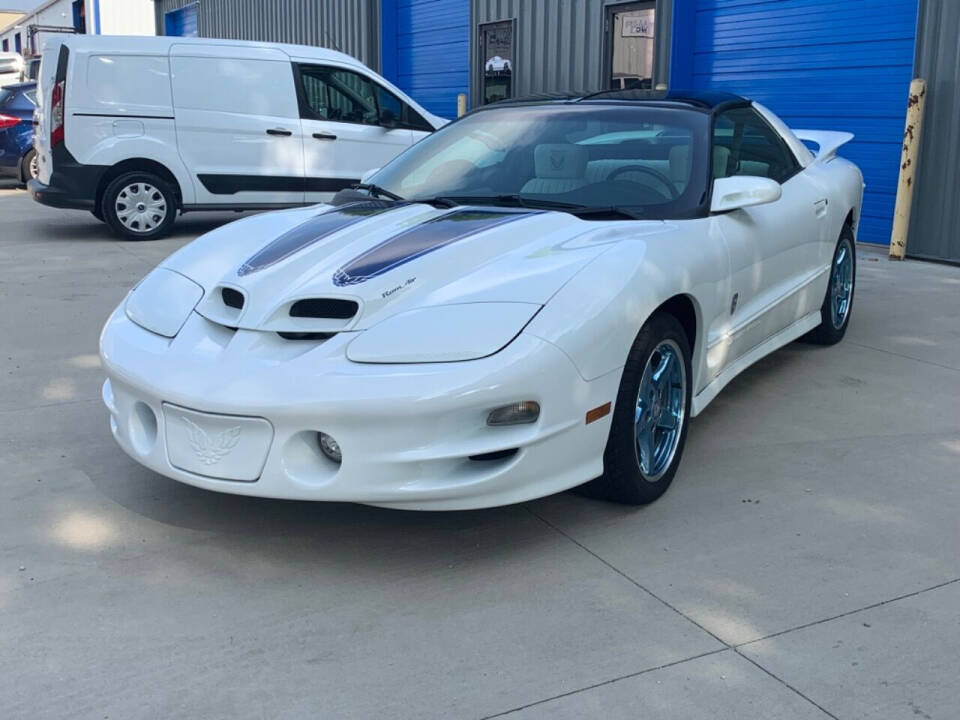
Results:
x,y
935,216
820,64
433,52
559,44
346,25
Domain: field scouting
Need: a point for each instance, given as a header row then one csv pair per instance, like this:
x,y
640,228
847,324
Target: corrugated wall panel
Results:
x,y
433,52
935,222
559,43
820,64
346,25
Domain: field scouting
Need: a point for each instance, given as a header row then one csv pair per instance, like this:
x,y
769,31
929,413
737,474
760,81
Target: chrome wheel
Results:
x,y
841,284
140,207
34,167
660,410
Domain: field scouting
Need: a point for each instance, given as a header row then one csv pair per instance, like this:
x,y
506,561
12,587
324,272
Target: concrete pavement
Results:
x,y
804,564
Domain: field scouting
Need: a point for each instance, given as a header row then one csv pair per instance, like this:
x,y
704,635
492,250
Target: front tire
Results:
x,y
139,206
835,311
649,428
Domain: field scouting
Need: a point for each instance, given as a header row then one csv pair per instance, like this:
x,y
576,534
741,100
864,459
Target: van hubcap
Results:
x,y
660,410
141,207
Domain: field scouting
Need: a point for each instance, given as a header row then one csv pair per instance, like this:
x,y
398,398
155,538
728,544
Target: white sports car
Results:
x,y
537,296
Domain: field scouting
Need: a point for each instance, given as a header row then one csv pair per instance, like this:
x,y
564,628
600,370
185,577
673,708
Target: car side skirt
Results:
x,y
774,342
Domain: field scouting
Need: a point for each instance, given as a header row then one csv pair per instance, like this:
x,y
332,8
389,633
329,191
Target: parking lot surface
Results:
x,y
804,564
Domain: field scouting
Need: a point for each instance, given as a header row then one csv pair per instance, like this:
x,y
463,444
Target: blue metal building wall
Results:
x,y
182,22
425,47
819,64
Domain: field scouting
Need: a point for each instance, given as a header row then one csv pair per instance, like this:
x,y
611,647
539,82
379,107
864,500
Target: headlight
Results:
x,y
444,333
163,301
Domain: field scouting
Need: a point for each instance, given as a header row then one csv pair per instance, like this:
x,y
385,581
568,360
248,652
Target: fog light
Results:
x,y
330,447
519,413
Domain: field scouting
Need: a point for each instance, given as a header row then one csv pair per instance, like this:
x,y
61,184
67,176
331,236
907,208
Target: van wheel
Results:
x,y
139,206
650,419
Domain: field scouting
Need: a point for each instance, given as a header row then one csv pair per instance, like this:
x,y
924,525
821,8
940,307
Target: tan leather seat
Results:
x,y
559,168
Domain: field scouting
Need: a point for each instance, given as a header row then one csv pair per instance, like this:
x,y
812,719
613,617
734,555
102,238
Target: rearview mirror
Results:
x,y
740,191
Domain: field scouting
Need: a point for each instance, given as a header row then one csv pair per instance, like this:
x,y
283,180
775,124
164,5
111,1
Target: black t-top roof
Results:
x,y
703,100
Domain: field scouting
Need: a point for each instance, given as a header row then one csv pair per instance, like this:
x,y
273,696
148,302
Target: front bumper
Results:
x,y
407,432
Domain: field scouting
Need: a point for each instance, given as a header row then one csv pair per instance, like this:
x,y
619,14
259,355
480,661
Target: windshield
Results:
x,y
648,161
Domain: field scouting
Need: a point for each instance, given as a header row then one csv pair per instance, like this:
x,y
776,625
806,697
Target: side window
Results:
x,y
338,95
402,114
743,144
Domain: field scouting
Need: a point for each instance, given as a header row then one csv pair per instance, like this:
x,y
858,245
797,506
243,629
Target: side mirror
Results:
x,y
369,174
388,119
740,191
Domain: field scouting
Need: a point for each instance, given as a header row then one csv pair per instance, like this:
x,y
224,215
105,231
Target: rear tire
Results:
x,y
139,206
649,428
835,311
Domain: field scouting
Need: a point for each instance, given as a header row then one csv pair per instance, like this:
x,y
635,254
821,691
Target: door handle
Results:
x,y
279,131
324,136
820,206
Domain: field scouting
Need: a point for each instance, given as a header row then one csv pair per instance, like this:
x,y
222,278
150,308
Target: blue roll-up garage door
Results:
x,y
824,65
432,51
182,22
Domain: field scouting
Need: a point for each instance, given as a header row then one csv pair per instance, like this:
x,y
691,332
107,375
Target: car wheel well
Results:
x,y
683,309
135,165
849,222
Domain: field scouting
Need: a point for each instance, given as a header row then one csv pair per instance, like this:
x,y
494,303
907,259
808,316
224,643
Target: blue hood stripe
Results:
x,y
420,240
312,231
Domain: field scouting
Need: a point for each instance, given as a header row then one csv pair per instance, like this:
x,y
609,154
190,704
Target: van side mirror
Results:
x,y
388,119
740,191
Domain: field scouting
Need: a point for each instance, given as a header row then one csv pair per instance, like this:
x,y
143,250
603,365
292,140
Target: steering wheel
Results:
x,y
657,175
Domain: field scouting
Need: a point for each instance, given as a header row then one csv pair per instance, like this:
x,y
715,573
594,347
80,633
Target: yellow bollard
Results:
x,y
908,168
461,104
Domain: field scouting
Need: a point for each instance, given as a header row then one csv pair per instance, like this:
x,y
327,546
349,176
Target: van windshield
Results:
x,y
649,161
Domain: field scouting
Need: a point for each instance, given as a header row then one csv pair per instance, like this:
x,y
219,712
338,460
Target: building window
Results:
x,y
631,42
496,61
6,45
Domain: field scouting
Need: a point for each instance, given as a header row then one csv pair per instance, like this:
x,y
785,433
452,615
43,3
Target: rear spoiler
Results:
x,y
827,140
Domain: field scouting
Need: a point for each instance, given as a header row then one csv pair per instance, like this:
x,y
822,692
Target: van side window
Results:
x,y
743,144
339,95
403,115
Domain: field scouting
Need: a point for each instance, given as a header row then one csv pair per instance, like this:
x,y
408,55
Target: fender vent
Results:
x,y
326,308
232,298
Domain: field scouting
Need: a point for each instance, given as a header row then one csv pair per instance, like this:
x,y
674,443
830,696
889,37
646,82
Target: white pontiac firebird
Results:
x,y
537,296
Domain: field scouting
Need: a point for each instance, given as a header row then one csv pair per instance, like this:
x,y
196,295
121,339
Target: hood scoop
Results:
x,y
325,308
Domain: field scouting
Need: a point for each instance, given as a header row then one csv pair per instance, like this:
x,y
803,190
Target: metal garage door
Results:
x,y
820,64
432,51
182,22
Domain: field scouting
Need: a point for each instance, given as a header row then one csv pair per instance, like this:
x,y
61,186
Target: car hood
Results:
x,y
387,258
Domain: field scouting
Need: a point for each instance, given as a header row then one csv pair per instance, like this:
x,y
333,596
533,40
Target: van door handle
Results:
x,y
820,206
324,136
279,131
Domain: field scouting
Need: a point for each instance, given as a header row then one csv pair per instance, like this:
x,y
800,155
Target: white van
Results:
x,y
135,129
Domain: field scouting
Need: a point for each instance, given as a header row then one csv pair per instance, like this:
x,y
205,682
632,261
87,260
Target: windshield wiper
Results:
x,y
517,200
377,191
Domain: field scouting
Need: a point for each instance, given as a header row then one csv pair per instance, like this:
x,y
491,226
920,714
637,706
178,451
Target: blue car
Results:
x,y
17,157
